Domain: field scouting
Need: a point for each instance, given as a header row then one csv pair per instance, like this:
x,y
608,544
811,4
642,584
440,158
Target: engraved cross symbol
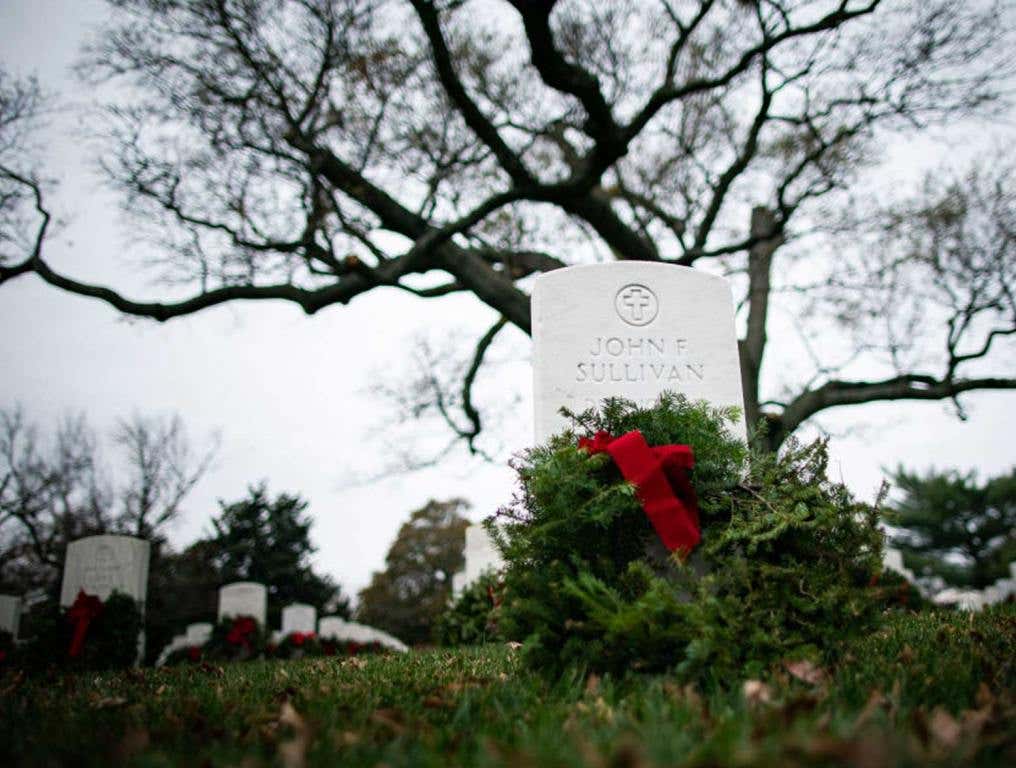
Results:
x,y
636,300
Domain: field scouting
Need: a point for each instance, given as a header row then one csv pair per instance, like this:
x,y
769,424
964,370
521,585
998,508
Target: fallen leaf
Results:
x,y
389,718
805,671
944,729
346,738
592,685
108,702
876,701
756,692
514,645
436,702
293,752
985,698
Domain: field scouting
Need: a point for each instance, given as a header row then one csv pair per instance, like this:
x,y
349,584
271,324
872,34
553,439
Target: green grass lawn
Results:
x,y
934,688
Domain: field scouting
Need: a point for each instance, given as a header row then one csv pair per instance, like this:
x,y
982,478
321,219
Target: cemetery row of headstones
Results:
x,y
98,566
248,598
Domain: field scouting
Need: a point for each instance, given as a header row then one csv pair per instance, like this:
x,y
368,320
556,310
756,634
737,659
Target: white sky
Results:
x,y
286,391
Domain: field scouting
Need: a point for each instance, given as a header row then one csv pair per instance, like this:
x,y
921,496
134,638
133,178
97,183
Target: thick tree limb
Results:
x,y
905,387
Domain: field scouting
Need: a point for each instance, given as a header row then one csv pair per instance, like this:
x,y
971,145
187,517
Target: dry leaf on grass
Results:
x,y
805,671
389,718
108,702
293,752
944,729
756,692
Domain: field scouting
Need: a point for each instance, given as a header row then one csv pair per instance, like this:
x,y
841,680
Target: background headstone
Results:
x,y
244,598
481,555
331,626
298,617
634,330
10,614
101,565
199,633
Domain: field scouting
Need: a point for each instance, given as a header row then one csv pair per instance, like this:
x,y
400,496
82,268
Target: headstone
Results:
x,y
244,598
331,626
101,565
199,633
298,617
336,628
481,555
633,330
10,614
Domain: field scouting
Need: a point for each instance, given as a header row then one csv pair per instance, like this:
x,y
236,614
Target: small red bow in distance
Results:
x,y
80,614
239,633
660,477
299,638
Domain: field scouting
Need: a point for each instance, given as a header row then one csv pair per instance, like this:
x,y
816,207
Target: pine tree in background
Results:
x,y
409,596
949,525
265,540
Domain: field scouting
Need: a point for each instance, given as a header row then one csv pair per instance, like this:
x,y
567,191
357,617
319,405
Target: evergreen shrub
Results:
x,y
783,569
473,617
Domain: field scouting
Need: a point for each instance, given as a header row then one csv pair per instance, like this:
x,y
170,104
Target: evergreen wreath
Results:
x,y
110,642
235,638
783,569
296,645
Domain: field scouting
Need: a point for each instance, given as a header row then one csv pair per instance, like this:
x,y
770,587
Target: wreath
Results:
x,y
651,539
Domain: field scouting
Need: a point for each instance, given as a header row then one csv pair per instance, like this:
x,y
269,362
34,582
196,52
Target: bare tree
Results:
x,y
161,470
314,150
58,490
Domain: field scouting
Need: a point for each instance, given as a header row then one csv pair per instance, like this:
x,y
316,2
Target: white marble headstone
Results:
x,y
331,627
634,330
101,565
298,617
336,628
199,633
481,555
10,614
244,598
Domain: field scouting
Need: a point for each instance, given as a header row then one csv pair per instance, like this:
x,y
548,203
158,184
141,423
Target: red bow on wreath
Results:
x,y
81,613
239,633
299,638
660,477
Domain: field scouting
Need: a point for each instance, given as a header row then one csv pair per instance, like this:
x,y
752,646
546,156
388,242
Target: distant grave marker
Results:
x,y
101,565
299,617
244,598
10,614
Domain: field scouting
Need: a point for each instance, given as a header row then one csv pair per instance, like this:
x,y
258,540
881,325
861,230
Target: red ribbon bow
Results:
x,y
81,613
660,476
299,638
241,629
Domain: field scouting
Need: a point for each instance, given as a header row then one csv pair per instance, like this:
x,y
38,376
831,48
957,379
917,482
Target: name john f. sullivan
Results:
x,y
641,358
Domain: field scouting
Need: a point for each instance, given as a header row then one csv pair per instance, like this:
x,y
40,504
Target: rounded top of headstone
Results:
x,y
243,584
660,268
113,537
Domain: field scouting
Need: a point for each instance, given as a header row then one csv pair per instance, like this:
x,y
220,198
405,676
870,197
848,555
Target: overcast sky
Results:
x,y
289,393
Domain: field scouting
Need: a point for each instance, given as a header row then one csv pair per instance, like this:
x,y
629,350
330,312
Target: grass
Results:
x,y
932,688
